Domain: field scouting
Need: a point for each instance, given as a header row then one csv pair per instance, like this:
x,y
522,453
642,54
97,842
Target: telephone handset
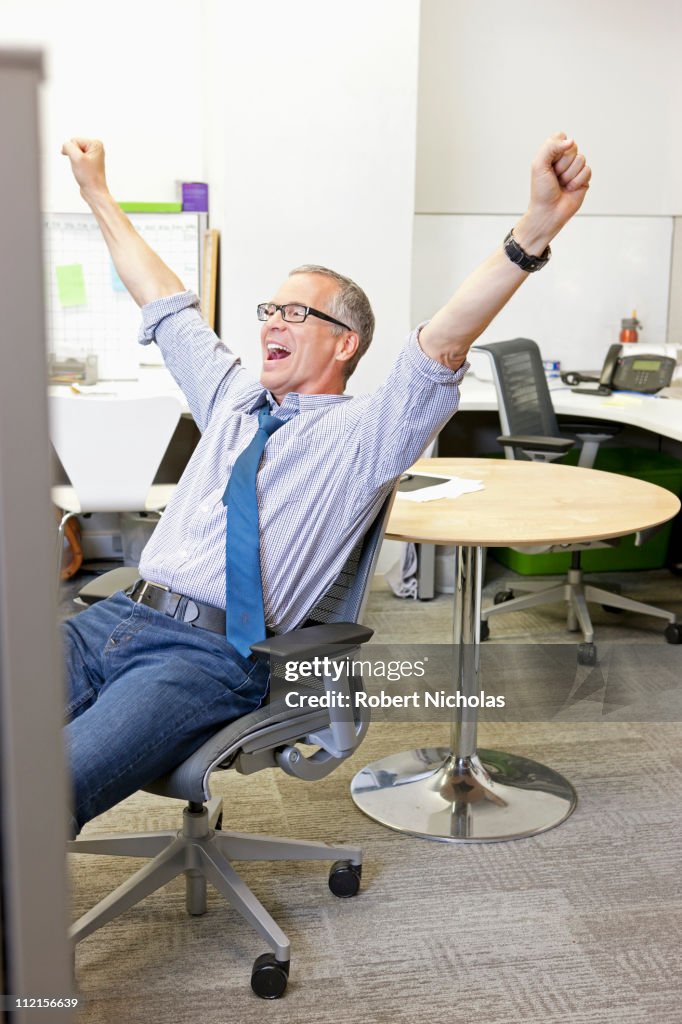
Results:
x,y
644,373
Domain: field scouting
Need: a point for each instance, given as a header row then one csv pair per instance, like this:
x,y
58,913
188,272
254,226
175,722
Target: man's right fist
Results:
x,y
87,164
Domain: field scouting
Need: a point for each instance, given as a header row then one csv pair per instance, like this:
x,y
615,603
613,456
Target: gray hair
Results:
x,y
349,304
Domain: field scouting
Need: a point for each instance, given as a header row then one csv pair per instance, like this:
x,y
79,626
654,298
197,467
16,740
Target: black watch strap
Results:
x,y
522,258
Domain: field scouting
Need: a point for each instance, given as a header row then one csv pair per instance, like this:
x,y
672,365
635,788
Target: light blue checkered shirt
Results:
x,y
323,477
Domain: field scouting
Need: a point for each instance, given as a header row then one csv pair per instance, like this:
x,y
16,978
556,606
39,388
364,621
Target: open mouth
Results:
x,y
277,351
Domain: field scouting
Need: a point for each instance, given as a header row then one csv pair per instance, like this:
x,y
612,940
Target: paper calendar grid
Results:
x,y
88,310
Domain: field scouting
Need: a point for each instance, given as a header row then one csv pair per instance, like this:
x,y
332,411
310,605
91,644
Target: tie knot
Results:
x,y
268,423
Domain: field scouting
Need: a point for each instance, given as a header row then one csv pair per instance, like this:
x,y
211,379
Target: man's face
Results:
x,y
303,357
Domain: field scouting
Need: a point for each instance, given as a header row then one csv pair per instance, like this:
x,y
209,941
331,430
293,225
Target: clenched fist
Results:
x,y
87,164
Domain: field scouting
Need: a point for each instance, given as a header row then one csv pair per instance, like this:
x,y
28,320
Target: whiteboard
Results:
x,y
601,269
88,309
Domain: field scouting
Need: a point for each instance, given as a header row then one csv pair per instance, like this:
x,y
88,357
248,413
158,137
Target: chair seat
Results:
x,y
274,724
64,497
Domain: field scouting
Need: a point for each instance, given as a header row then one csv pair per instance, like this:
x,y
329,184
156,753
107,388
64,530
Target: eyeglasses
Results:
x,y
295,313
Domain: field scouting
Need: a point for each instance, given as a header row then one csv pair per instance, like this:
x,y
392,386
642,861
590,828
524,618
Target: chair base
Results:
x,y
577,596
203,852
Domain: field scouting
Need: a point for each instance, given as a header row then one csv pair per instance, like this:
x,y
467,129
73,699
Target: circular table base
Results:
x,y
487,798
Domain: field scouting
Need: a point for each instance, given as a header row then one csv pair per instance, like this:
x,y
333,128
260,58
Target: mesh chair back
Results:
x,y
522,393
346,598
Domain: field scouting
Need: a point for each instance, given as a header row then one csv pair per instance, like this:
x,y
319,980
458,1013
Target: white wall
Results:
x,y
313,136
602,267
130,76
496,78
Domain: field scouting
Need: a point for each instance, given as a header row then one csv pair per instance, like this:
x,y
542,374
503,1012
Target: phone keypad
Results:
x,y
648,380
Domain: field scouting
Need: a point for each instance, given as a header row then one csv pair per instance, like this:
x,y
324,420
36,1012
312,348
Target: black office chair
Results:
x,y
265,738
531,431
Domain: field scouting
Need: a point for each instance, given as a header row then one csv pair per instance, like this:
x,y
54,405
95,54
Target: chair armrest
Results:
x,y
336,642
537,442
108,583
317,641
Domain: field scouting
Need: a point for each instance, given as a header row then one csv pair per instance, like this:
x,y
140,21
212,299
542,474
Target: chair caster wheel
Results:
x,y
344,878
485,630
269,976
503,595
673,633
587,654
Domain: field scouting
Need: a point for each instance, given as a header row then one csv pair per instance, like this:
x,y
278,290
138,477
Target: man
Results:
x,y
151,673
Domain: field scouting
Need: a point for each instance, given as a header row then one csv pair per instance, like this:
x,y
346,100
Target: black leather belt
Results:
x,y
177,606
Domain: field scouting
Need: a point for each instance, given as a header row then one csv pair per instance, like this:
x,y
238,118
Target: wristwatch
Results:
x,y
523,259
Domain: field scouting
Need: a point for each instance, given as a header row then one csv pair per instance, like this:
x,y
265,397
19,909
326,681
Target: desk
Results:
x,y
661,416
461,794
152,380
658,415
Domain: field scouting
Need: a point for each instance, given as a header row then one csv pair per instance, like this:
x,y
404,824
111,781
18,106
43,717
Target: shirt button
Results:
x,y
183,553
205,508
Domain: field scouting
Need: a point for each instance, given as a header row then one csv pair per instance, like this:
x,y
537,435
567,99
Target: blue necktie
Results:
x,y
245,618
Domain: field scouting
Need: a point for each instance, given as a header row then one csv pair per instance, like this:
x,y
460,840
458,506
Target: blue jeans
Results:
x,y
144,691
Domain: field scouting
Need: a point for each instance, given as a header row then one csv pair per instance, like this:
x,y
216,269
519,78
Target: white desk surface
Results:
x,y
153,380
659,415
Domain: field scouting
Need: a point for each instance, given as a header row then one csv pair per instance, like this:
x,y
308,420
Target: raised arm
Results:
x,y
560,178
144,274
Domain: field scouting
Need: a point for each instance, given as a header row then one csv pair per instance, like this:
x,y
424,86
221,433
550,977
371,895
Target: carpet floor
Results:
x,y
578,924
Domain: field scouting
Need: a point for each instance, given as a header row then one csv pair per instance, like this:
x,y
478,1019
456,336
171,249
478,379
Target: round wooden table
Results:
x,y
462,794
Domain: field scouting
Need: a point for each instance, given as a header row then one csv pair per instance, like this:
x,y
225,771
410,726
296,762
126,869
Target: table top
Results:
x,y
658,415
530,503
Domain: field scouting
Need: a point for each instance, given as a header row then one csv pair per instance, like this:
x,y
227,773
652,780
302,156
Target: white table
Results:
x,y
659,415
152,380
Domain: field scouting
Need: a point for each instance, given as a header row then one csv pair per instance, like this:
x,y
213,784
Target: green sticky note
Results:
x,y
71,285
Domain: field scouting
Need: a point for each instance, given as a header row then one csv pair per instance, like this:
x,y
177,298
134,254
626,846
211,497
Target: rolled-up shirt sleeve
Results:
x,y
154,313
203,366
390,428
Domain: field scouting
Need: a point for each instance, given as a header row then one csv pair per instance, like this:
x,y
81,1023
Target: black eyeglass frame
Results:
x,y
272,308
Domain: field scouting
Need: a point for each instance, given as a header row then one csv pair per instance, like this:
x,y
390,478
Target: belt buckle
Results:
x,y
139,596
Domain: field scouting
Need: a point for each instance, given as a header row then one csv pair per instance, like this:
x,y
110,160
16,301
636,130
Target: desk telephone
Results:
x,y
645,373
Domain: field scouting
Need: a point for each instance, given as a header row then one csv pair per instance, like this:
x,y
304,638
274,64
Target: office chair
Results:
x,y
110,449
531,431
265,738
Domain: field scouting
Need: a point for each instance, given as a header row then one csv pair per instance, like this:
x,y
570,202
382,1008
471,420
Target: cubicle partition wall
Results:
x,y
36,961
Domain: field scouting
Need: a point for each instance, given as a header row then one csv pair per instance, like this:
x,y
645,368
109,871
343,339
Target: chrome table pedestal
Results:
x,y
463,795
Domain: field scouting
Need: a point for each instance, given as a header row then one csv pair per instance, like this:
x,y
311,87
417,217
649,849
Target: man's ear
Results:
x,y
347,346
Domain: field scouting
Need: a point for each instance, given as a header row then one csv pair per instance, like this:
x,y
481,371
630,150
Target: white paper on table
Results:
x,y
452,488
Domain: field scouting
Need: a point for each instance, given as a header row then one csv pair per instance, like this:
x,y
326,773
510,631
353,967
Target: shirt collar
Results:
x,y
295,403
